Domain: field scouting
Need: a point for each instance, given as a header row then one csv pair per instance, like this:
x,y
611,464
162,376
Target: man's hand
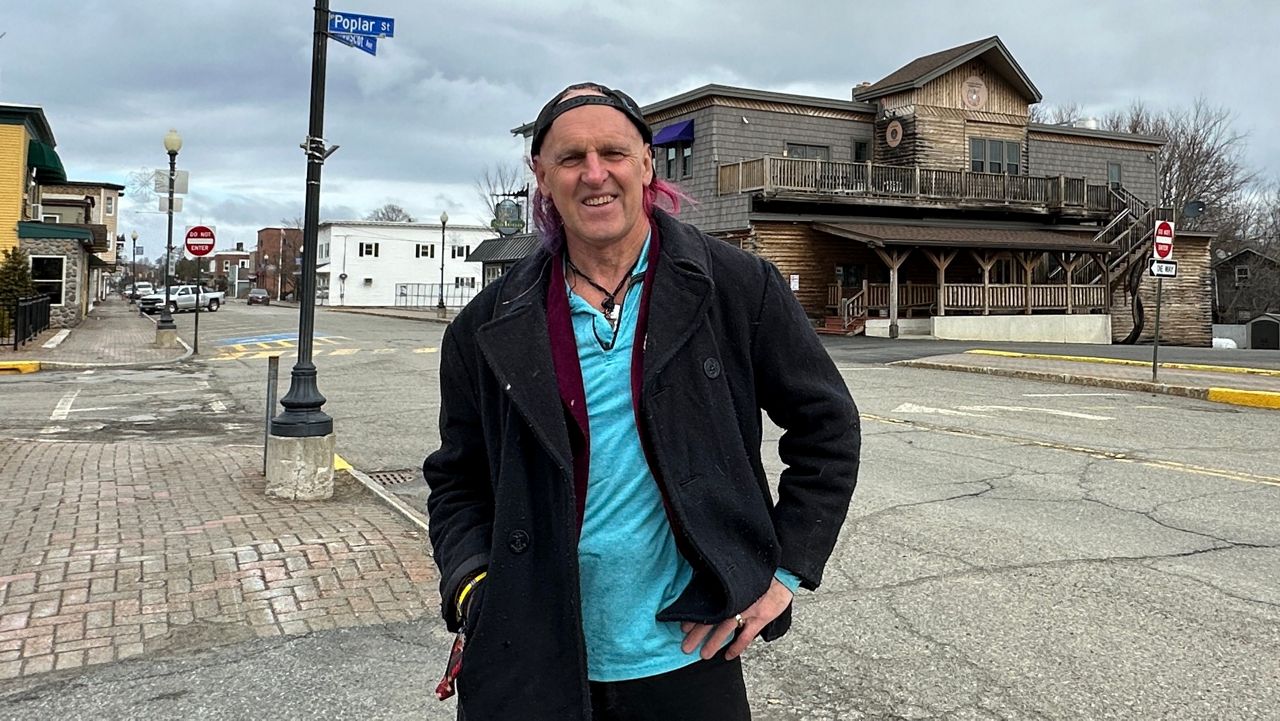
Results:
x,y
755,617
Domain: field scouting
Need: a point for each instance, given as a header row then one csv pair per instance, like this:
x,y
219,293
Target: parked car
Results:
x,y
136,291
182,297
258,296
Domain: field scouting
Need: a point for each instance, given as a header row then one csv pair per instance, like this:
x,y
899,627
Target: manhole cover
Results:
x,y
393,478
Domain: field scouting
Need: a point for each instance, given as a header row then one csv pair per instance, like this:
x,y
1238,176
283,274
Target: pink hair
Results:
x,y
657,194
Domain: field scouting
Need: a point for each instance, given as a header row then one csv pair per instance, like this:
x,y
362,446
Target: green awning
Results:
x,y
54,231
45,160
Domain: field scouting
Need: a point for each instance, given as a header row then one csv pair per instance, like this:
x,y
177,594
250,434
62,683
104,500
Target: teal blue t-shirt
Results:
x,y
629,565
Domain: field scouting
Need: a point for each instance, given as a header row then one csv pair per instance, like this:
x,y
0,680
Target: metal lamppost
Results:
x,y
303,415
134,272
172,144
444,220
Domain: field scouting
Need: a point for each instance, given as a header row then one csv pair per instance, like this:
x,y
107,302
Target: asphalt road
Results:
x,y
1015,550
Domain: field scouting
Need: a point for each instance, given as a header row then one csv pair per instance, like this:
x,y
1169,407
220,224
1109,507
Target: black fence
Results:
x,y
23,319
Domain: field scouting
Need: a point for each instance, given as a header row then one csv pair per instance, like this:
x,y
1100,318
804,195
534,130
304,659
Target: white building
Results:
x,y
376,263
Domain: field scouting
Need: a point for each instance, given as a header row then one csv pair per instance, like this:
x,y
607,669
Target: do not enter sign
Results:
x,y
1164,240
200,240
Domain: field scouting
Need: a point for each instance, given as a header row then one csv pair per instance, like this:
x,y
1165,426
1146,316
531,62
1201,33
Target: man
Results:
x,y
604,528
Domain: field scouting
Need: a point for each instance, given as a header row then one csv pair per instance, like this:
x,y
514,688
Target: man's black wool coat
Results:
x,y
725,339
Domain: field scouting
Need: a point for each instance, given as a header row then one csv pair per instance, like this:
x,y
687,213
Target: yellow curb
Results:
x,y
339,464
1125,362
1235,396
16,367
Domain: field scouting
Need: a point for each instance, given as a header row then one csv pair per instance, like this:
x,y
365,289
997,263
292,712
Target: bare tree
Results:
x,y
1056,114
390,212
494,181
1204,157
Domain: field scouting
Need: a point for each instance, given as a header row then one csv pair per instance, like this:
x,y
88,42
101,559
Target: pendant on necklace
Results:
x,y
609,307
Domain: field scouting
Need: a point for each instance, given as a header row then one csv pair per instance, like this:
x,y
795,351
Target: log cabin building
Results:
x,y
929,204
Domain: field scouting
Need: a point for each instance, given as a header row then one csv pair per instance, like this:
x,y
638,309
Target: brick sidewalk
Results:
x,y
109,551
112,334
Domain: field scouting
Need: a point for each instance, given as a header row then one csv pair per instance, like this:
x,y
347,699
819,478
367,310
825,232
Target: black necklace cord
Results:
x,y
610,299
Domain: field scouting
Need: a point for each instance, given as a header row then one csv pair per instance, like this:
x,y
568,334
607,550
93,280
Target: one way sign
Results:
x,y
1164,268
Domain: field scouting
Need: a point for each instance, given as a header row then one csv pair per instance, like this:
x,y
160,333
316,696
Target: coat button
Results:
x,y
711,367
518,541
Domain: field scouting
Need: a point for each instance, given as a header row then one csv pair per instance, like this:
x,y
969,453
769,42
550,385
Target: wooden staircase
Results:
x,y
851,320
1130,233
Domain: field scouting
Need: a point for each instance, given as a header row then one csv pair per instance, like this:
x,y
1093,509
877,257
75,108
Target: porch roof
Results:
x,y
879,235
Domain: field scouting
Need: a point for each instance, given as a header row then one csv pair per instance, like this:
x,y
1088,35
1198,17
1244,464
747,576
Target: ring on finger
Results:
x,y
741,621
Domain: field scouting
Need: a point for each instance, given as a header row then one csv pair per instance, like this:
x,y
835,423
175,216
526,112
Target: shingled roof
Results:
x,y
925,69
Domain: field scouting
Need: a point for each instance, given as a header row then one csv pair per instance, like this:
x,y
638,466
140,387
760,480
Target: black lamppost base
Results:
x,y
302,417
166,322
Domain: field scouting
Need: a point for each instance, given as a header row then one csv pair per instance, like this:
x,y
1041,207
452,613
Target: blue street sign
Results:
x,y
367,44
353,24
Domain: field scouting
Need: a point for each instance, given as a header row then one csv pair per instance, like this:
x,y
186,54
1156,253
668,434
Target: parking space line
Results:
x,y
1098,453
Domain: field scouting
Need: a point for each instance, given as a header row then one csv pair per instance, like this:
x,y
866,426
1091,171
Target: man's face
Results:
x,y
594,166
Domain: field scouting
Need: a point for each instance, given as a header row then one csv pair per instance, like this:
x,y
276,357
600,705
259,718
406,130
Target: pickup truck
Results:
x,y
182,297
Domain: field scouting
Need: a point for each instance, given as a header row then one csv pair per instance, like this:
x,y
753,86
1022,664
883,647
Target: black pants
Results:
x,y
704,691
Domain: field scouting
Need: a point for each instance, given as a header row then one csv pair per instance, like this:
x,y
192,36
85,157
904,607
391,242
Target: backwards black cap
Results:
x,y
615,99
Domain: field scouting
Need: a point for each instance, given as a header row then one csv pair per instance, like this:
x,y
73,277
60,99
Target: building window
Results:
x,y
244,264
686,159
994,156
1242,275
47,276
861,151
671,162
1113,175
460,251
808,152
461,282
425,250
111,205
50,219
369,250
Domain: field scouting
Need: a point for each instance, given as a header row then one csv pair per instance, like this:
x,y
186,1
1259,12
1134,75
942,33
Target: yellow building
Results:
x,y
59,252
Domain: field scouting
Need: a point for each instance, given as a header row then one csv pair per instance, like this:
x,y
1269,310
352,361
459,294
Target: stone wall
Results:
x,y
74,277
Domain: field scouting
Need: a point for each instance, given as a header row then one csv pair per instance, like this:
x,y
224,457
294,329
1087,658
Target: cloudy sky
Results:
x,y
418,122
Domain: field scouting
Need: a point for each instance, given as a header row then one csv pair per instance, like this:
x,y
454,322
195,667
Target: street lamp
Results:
x,y
444,220
134,262
172,144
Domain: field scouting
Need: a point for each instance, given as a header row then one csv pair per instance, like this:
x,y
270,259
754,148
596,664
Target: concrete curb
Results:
x,y
402,316
72,365
18,367
1171,365
389,499
1232,396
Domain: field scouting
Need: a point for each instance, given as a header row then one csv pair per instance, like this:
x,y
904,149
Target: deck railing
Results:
x,y
1000,297
772,174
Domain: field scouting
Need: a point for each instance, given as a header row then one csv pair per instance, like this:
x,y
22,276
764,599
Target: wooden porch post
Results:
x,y
941,261
986,260
1069,262
894,259
1027,259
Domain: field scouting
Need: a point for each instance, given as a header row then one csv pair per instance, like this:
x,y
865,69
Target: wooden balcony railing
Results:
x,y
772,174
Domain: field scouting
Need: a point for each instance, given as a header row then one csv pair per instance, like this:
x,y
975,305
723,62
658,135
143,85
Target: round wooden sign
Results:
x,y
893,134
975,93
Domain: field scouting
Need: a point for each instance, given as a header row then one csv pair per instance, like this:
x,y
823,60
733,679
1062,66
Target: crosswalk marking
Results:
x,y
245,353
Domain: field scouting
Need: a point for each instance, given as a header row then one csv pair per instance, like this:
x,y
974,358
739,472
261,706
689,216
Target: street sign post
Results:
x,y
1163,247
1164,268
341,23
359,42
200,242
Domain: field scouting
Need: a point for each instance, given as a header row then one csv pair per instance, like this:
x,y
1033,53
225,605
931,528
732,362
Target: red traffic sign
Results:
x,y
200,240
1164,240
